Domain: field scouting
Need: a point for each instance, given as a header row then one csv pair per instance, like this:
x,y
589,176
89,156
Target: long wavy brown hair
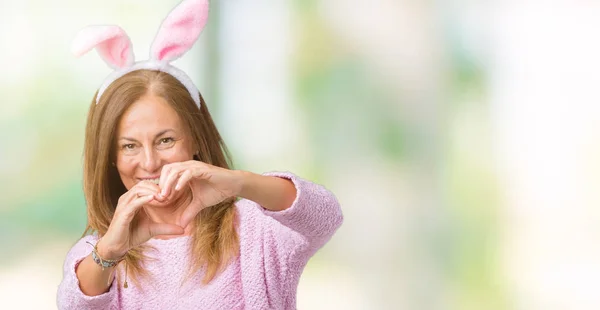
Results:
x,y
214,239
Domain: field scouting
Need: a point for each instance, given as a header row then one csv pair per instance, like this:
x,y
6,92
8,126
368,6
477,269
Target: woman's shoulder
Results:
x,y
246,209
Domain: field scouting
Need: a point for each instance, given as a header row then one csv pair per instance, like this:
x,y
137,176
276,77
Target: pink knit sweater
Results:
x,y
274,248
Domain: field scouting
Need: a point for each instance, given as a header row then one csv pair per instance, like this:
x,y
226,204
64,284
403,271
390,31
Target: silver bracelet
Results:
x,y
104,263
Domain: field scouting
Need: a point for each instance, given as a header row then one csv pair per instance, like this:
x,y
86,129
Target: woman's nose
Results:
x,y
151,160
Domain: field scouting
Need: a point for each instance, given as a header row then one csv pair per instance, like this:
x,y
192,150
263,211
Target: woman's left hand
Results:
x,y
210,185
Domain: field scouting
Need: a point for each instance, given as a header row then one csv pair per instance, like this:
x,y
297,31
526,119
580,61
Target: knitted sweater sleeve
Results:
x,y
276,245
69,295
314,215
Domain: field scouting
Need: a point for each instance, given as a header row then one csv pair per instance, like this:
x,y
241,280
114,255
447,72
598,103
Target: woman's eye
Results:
x,y
166,140
165,143
128,146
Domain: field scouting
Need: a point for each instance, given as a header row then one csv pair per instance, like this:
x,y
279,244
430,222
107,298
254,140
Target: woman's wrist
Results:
x,y
105,252
272,193
244,180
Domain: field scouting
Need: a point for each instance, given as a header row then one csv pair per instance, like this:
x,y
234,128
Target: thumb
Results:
x,y
191,211
165,229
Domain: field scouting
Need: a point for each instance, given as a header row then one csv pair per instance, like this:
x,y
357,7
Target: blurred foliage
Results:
x,y
346,111
471,188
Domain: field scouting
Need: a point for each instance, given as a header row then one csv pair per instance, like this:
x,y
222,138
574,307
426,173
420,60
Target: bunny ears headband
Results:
x,y
175,37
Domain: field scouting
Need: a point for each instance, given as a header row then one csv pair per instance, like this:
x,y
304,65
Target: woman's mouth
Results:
x,y
152,180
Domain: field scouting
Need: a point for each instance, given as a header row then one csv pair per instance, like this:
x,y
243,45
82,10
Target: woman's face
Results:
x,y
150,135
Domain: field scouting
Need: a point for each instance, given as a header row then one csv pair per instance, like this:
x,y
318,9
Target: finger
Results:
x,y
183,180
132,194
190,213
144,188
130,210
141,192
147,184
170,180
153,188
164,173
164,229
139,202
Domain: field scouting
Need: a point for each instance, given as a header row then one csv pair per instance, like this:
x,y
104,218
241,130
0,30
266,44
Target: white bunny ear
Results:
x,y
111,42
179,30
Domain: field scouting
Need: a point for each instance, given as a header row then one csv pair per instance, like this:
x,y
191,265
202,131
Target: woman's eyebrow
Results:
x,y
163,132
156,136
127,138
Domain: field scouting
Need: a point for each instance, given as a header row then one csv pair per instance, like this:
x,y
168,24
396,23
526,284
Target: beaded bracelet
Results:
x,y
106,263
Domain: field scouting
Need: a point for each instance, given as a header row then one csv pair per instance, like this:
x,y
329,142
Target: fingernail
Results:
x,y
177,187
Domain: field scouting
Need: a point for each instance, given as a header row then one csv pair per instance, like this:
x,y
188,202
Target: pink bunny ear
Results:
x,y
111,42
179,30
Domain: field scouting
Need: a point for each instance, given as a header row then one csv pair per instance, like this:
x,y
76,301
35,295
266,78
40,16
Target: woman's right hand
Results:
x,y
121,236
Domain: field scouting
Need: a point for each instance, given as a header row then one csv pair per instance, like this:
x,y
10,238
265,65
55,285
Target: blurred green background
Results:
x,y
461,138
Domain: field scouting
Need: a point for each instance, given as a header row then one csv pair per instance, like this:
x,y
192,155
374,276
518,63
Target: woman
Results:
x,y
161,201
